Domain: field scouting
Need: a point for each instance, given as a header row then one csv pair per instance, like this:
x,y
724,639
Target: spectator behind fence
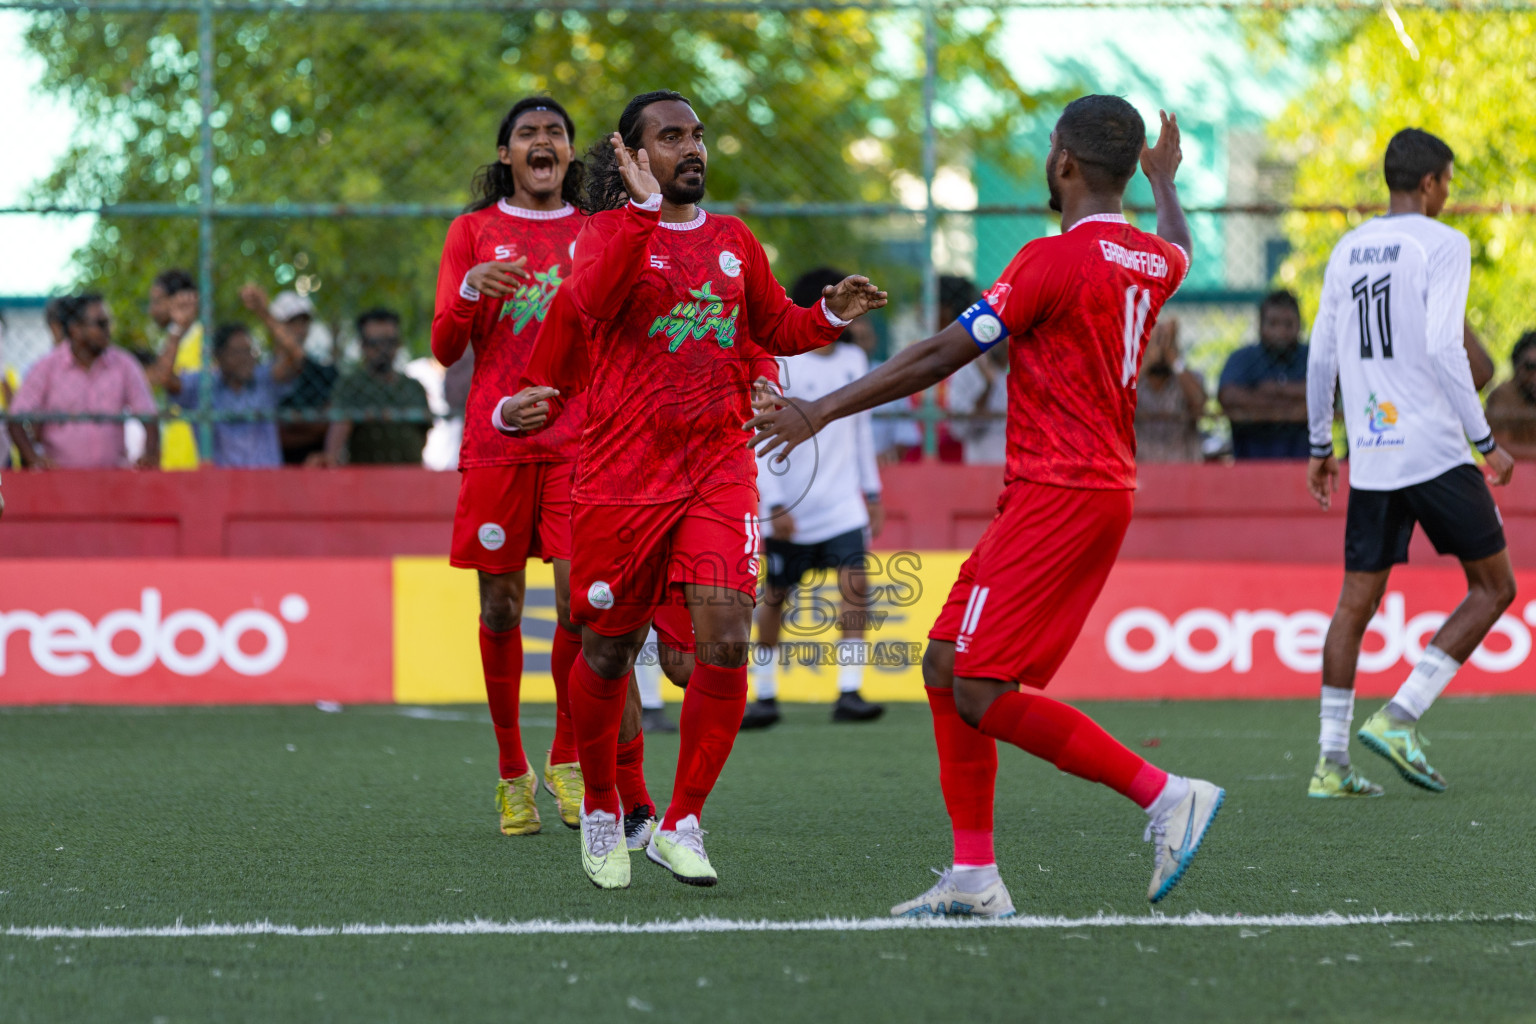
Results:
x,y
377,389
1512,406
173,307
1169,401
86,375
239,386
292,316
978,398
1264,387
53,317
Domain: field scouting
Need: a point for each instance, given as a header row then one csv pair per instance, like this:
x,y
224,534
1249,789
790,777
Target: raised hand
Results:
x,y
853,297
497,279
184,309
1162,160
635,171
528,409
1323,480
254,298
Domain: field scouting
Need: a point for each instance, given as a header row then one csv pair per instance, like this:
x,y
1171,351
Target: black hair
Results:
x,y
53,310
1411,154
808,286
494,182
1281,297
1527,340
1105,135
376,315
225,333
604,188
72,307
958,293
175,281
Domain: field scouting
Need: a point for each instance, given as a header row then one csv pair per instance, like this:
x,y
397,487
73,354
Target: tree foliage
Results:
x,y
400,108
1470,84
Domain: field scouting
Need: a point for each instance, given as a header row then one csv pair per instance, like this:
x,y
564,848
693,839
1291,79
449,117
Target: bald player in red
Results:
x,y
1075,310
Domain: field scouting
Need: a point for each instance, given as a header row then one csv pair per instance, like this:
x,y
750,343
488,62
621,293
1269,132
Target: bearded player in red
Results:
x,y
681,305
502,264
1076,310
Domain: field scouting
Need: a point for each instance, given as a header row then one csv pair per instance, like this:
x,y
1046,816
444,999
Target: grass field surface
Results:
x,y
291,864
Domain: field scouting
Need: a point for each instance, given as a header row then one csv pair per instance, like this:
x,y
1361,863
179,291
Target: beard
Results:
x,y
679,194
1052,185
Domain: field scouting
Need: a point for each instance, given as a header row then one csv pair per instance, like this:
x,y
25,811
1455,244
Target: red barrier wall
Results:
x,y
1255,512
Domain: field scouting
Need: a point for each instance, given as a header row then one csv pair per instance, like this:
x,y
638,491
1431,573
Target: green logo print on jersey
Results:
x,y
531,301
696,318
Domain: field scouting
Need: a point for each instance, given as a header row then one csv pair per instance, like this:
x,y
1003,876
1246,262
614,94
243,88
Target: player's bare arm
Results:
x,y
1160,163
1323,480
497,279
914,369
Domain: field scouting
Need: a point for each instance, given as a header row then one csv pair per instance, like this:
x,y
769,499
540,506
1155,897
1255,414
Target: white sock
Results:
x,y
648,679
1174,790
1426,682
1338,711
765,672
851,655
973,877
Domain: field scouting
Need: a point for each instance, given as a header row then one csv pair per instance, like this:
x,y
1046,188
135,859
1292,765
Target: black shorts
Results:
x,y
788,562
1456,510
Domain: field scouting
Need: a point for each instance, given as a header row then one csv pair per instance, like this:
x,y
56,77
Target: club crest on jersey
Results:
x,y
531,300
730,266
698,317
492,536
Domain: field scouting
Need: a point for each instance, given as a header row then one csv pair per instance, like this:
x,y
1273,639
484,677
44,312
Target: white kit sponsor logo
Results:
x,y
64,642
1207,640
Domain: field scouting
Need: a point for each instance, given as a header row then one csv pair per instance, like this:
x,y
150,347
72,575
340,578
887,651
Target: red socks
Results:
x,y
712,708
597,707
1073,742
967,776
567,646
631,775
501,658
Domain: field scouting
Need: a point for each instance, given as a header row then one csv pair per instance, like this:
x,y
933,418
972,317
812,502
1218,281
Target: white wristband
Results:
x,y
652,204
833,318
466,292
499,423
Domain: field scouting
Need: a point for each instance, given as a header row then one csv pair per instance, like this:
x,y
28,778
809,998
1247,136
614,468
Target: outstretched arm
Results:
x,y
1160,163
915,368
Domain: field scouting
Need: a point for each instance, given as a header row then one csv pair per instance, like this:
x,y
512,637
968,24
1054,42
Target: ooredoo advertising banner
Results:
x,y
120,631
227,631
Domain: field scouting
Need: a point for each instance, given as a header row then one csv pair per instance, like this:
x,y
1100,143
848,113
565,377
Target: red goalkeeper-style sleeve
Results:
x,y
778,325
453,314
560,359
610,256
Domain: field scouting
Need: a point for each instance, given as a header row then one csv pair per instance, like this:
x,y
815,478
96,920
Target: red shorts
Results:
x,y
630,555
1025,592
674,622
508,514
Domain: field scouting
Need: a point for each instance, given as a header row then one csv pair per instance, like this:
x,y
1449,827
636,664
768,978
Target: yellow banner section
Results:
x,y
437,649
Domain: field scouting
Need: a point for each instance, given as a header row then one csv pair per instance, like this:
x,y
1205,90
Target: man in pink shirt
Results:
x,y
86,374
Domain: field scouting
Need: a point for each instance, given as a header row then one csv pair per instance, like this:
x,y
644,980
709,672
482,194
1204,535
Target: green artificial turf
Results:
x,y
141,818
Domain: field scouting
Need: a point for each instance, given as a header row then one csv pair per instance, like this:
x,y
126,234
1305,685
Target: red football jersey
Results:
x,y
503,331
1079,307
679,318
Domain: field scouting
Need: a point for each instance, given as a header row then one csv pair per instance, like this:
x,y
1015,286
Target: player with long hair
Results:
x,y
1075,310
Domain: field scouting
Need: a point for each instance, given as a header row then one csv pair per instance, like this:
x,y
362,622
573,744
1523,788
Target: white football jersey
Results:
x,y
823,484
1389,329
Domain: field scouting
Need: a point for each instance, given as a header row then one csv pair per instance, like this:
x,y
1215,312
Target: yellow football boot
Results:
x,y
515,801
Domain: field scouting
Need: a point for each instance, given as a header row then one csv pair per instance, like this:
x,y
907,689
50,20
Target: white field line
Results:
x,y
479,926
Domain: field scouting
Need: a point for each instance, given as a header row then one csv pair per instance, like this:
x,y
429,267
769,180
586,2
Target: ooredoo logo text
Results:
x,y
1209,640
129,641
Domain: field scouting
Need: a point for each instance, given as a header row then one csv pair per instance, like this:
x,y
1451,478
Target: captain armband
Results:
x,y
983,324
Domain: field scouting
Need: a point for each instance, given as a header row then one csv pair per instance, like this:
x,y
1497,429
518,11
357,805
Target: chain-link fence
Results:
x,y
314,153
